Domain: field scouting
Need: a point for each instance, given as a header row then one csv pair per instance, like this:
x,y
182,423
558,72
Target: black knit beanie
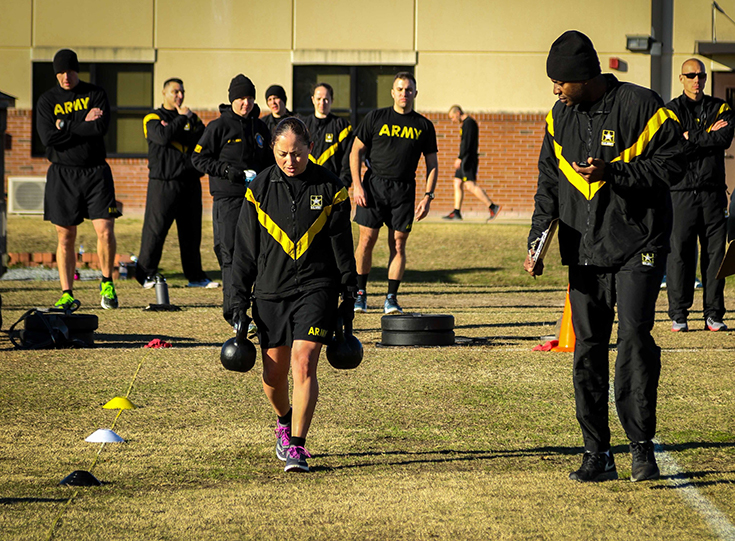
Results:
x,y
241,86
572,58
66,60
277,91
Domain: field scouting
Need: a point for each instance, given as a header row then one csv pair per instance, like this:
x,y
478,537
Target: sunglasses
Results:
x,y
693,75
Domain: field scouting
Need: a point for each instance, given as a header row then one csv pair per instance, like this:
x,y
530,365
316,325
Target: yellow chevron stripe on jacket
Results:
x,y
153,116
146,120
724,107
652,126
590,189
295,251
321,160
587,189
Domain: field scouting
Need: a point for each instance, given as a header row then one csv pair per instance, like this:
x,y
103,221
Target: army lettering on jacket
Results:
x,y
78,143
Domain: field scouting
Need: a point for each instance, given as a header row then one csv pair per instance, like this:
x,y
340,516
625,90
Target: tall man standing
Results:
x,y
465,165
700,201
331,134
174,188
392,141
610,153
73,118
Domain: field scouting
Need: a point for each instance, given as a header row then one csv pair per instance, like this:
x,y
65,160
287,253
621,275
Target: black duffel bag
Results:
x,y
53,329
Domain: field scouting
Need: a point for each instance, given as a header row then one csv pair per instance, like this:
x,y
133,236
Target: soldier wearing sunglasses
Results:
x,y
699,201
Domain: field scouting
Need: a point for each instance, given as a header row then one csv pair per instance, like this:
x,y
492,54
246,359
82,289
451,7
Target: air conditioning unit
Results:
x,y
25,195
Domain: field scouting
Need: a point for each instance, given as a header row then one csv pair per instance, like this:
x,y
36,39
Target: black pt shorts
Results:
x,y
468,171
389,202
75,193
310,316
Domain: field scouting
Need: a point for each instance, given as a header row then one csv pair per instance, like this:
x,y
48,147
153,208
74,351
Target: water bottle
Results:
x,y
161,290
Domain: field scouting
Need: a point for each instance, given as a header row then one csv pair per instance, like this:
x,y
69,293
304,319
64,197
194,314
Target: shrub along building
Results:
x,y
489,57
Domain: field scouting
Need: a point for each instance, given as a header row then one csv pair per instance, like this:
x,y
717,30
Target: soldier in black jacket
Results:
x,y
700,201
72,120
275,98
293,255
174,188
331,134
233,149
610,153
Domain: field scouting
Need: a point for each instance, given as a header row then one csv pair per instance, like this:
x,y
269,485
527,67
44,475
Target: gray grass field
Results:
x,y
461,442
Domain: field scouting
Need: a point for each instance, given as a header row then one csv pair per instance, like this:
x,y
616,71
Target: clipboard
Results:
x,y
727,267
543,243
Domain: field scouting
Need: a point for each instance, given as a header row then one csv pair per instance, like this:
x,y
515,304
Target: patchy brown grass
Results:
x,y
462,442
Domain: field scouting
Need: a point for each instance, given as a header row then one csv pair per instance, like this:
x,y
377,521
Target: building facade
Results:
x,y
487,56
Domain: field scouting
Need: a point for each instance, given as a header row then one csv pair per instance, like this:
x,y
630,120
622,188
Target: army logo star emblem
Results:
x,y
608,138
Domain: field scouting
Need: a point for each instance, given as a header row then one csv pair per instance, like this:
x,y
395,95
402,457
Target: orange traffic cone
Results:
x,y
566,334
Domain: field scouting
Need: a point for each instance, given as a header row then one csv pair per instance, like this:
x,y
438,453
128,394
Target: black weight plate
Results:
x,y
417,322
74,322
417,338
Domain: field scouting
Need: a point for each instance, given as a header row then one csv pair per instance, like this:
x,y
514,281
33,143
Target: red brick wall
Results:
x,y
509,147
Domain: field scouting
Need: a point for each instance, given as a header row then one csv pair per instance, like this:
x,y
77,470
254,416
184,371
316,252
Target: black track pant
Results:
x,y
593,293
225,213
168,201
697,215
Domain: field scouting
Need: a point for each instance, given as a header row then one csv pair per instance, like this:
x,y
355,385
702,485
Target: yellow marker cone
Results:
x,y
119,403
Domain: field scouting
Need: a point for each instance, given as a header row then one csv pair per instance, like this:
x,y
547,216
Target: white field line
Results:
x,y
715,519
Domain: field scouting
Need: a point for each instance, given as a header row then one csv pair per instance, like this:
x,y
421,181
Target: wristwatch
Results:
x,y
430,194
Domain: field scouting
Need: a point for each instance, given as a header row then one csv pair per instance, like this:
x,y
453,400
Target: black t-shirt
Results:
x,y
469,143
395,142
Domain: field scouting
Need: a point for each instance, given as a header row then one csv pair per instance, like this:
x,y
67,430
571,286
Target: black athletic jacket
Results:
x,y
607,222
469,143
79,143
170,147
244,143
705,149
332,138
293,235
272,121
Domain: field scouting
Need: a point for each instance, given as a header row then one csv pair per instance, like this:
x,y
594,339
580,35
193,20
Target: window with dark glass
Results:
x,y
129,89
357,89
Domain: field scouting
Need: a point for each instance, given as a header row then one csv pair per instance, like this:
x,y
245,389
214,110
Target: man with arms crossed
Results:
x,y
392,141
700,201
174,188
610,193
73,118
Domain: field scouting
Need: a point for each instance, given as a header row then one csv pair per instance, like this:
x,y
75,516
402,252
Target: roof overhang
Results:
x,y
713,48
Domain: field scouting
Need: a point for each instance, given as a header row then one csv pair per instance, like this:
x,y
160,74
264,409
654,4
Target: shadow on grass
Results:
x,y
109,341
403,458
10,501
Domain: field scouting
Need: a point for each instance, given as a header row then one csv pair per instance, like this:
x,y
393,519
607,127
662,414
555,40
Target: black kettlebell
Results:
x,y
344,352
238,354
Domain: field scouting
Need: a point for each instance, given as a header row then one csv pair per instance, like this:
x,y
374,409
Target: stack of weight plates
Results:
x,y
417,330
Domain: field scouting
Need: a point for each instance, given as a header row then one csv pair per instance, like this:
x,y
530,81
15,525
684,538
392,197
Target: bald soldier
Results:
x,y
699,201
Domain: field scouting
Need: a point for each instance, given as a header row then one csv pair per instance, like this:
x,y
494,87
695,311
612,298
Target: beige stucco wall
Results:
x,y
528,26
207,88
354,24
93,23
15,75
223,24
15,23
487,55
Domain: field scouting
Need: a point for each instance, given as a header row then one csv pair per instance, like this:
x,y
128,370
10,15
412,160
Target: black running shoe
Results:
x,y
644,462
454,215
595,467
